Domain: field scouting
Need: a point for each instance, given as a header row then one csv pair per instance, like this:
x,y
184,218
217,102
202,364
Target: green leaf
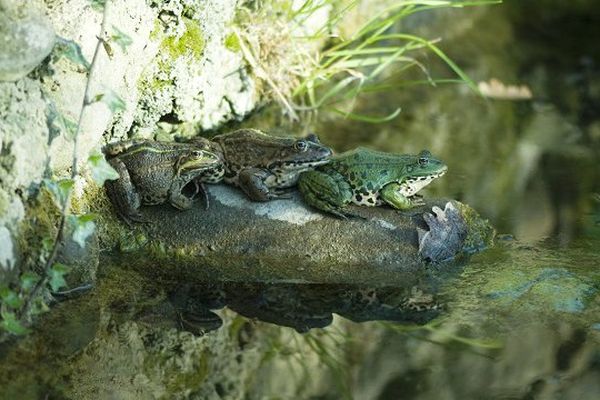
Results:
x,y
83,226
28,281
98,5
65,125
60,190
71,51
121,38
10,298
111,99
367,118
101,170
11,324
56,275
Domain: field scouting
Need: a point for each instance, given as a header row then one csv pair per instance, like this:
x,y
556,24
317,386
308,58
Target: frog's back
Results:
x,y
371,164
251,147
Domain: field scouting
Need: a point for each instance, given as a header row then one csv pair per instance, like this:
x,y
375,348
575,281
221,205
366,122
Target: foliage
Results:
x,y
333,79
21,300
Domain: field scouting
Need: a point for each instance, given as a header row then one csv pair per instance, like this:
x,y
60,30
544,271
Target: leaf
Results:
x,y
111,99
367,118
121,38
60,190
28,281
83,226
56,275
101,170
71,51
65,125
10,298
11,324
98,5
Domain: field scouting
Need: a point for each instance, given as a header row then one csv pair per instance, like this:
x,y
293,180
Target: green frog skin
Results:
x,y
369,178
265,166
156,172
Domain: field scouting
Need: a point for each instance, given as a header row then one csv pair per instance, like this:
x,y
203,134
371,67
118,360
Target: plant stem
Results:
x,y
26,308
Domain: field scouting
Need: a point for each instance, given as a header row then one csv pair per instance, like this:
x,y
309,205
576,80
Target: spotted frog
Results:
x,y
369,178
157,172
265,166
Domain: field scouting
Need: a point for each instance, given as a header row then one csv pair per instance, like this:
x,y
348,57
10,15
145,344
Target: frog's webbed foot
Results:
x,y
180,201
134,217
417,200
199,321
281,193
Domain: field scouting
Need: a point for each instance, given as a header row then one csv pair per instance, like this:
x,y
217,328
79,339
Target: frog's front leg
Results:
x,y
123,195
392,196
252,182
328,192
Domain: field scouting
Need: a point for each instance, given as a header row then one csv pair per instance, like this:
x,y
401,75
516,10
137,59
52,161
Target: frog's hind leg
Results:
x,y
326,191
122,194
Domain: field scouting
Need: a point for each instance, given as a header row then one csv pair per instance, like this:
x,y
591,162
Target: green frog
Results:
x,y
369,178
264,166
157,172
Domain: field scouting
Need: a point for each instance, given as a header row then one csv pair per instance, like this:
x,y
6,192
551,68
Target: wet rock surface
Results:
x,y
284,241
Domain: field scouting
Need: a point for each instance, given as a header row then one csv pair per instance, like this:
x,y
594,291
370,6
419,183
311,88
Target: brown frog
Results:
x,y
265,166
157,172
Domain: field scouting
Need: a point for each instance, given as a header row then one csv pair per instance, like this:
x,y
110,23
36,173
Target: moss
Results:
x,y
191,42
481,234
232,42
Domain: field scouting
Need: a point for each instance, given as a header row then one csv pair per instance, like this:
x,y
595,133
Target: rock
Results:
x,y
283,241
24,42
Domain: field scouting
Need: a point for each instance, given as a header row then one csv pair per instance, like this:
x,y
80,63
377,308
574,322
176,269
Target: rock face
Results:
x,y
24,42
284,241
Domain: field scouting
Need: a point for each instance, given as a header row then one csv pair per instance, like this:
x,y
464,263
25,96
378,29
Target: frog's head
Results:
x,y
301,154
421,170
196,160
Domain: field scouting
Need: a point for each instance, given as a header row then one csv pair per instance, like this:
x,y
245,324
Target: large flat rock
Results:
x,y
283,241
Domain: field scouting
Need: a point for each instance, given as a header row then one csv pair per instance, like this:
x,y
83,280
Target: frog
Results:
x,y
267,167
152,172
367,177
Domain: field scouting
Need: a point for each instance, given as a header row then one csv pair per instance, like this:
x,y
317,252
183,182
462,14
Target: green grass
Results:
x,y
334,79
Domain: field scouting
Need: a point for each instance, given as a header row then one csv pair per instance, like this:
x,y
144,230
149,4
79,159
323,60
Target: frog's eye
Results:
x,y
423,160
301,145
313,138
197,153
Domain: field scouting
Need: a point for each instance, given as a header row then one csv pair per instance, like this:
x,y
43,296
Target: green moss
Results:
x,y
481,233
232,42
191,42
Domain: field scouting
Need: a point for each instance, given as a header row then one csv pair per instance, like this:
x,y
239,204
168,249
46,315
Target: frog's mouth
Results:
x,y
302,165
413,184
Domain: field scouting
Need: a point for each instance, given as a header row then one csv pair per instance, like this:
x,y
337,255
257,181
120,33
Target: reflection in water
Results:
x,y
300,306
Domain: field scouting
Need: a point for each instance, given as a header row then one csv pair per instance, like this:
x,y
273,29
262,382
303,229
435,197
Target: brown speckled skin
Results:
x,y
263,165
156,172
